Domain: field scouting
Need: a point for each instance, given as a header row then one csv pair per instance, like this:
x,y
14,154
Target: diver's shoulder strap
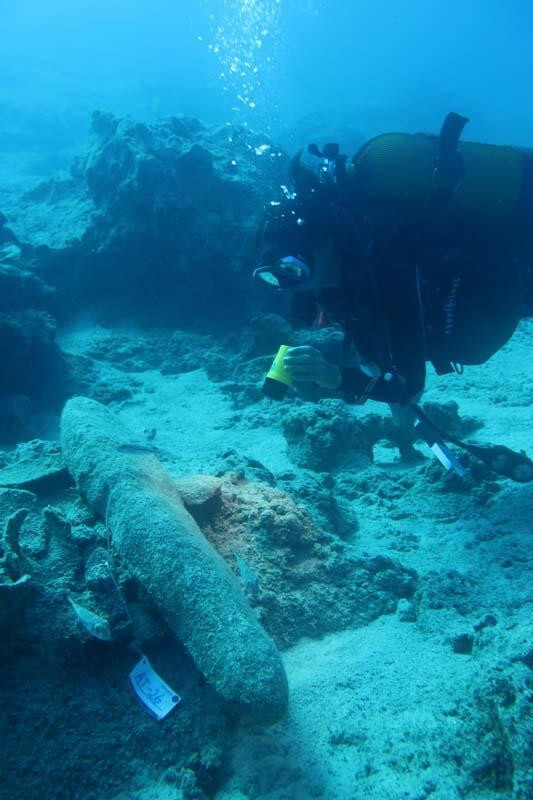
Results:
x,y
449,164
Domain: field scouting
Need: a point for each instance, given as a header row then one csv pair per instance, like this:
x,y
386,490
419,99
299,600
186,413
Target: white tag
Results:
x,y
441,455
154,694
447,460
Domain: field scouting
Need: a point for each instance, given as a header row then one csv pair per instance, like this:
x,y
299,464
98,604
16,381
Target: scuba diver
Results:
x,y
421,250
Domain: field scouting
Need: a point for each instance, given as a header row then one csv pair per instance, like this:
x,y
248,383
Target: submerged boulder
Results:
x,y
31,358
20,288
35,465
176,207
300,577
326,437
156,219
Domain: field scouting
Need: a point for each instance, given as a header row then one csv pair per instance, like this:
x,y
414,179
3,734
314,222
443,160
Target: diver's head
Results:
x,y
300,236
313,272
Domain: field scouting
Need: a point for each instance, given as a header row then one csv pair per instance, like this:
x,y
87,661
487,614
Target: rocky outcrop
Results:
x,y
34,465
155,223
176,209
158,219
30,363
300,577
27,339
20,288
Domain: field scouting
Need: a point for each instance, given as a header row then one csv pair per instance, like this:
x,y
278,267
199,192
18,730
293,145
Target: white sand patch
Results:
x,y
370,713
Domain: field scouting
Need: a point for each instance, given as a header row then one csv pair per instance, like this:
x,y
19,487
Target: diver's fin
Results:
x,y
498,458
503,461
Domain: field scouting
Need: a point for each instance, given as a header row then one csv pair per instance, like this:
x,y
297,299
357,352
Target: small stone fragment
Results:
x,y
83,534
97,569
406,610
488,621
463,643
54,523
198,490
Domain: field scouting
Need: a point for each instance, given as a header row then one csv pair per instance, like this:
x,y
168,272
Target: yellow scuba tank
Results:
x,y
399,170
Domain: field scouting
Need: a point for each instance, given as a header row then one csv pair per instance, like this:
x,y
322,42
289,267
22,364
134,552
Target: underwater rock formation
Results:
x,y
13,577
31,368
34,465
148,213
192,586
31,363
27,339
172,199
21,289
326,436
301,579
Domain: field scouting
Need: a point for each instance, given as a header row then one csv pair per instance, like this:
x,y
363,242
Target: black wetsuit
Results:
x,y
429,281
441,292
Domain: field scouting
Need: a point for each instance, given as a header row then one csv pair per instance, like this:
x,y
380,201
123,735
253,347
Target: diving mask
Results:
x,y
285,273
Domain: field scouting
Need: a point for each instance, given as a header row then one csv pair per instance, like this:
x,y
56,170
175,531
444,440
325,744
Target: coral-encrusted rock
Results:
x,y
264,334
20,289
326,436
186,351
171,200
446,417
31,358
31,364
159,218
199,491
33,465
308,582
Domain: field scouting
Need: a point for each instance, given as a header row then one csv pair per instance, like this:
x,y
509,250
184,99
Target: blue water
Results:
x,y
383,63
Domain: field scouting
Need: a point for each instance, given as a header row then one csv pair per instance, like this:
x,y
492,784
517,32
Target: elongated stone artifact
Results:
x,y
188,580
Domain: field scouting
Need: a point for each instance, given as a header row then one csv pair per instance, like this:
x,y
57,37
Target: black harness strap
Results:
x,y
449,164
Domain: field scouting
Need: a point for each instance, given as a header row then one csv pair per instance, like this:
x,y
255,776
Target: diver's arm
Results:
x,y
389,387
308,364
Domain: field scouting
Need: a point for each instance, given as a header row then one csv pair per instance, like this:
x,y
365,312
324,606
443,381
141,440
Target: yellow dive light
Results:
x,y
278,377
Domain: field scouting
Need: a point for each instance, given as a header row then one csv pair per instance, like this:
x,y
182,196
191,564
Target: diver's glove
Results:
x,y
306,363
